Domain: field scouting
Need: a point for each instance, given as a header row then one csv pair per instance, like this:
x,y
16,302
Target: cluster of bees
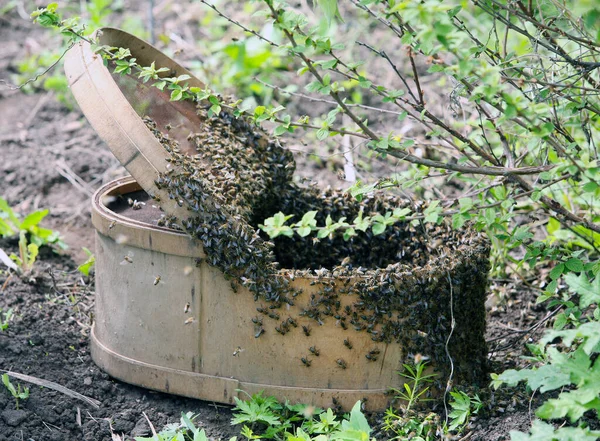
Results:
x,y
402,281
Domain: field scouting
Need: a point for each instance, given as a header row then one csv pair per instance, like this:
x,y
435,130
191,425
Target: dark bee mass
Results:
x,y
395,286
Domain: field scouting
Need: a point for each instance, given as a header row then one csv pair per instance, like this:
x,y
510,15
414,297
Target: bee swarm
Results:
x,y
401,282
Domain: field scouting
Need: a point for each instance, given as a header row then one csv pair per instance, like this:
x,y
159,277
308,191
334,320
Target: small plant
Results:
x,y
31,237
185,430
266,418
5,318
17,393
273,420
10,225
463,407
28,253
86,266
408,423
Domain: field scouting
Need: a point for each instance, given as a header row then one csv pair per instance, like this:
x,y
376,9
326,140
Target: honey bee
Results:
x,y
127,259
156,280
348,344
112,225
237,351
313,350
372,355
186,308
341,363
259,332
306,361
306,330
189,320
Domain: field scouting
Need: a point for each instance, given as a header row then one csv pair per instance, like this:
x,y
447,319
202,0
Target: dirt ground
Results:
x,y
51,158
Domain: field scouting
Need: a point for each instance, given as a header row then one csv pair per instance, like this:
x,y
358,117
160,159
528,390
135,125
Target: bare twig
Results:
x,y
54,386
11,86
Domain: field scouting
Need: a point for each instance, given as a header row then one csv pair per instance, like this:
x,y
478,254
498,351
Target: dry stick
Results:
x,y
54,386
446,348
412,107
67,172
31,80
524,332
416,77
150,424
238,24
323,100
385,56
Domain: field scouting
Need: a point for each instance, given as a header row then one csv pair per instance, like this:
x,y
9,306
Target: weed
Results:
x,y
86,266
10,225
31,237
265,418
185,430
5,318
17,393
463,407
28,253
408,423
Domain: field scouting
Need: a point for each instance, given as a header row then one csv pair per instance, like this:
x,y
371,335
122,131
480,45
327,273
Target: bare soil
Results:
x,y
51,158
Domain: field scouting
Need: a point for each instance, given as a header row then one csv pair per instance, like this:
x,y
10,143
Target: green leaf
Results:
x,y
358,421
574,265
279,130
557,271
9,385
177,95
588,292
5,208
378,228
322,134
330,10
85,267
540,432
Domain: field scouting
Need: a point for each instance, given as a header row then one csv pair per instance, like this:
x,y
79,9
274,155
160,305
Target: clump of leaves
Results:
x,y
569,366
185,430
31,237
266,418
16,392
28,253
11,225
5,318
463,407
407,422
87,266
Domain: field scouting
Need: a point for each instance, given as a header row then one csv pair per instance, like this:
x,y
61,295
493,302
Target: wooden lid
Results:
x,y
115,104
